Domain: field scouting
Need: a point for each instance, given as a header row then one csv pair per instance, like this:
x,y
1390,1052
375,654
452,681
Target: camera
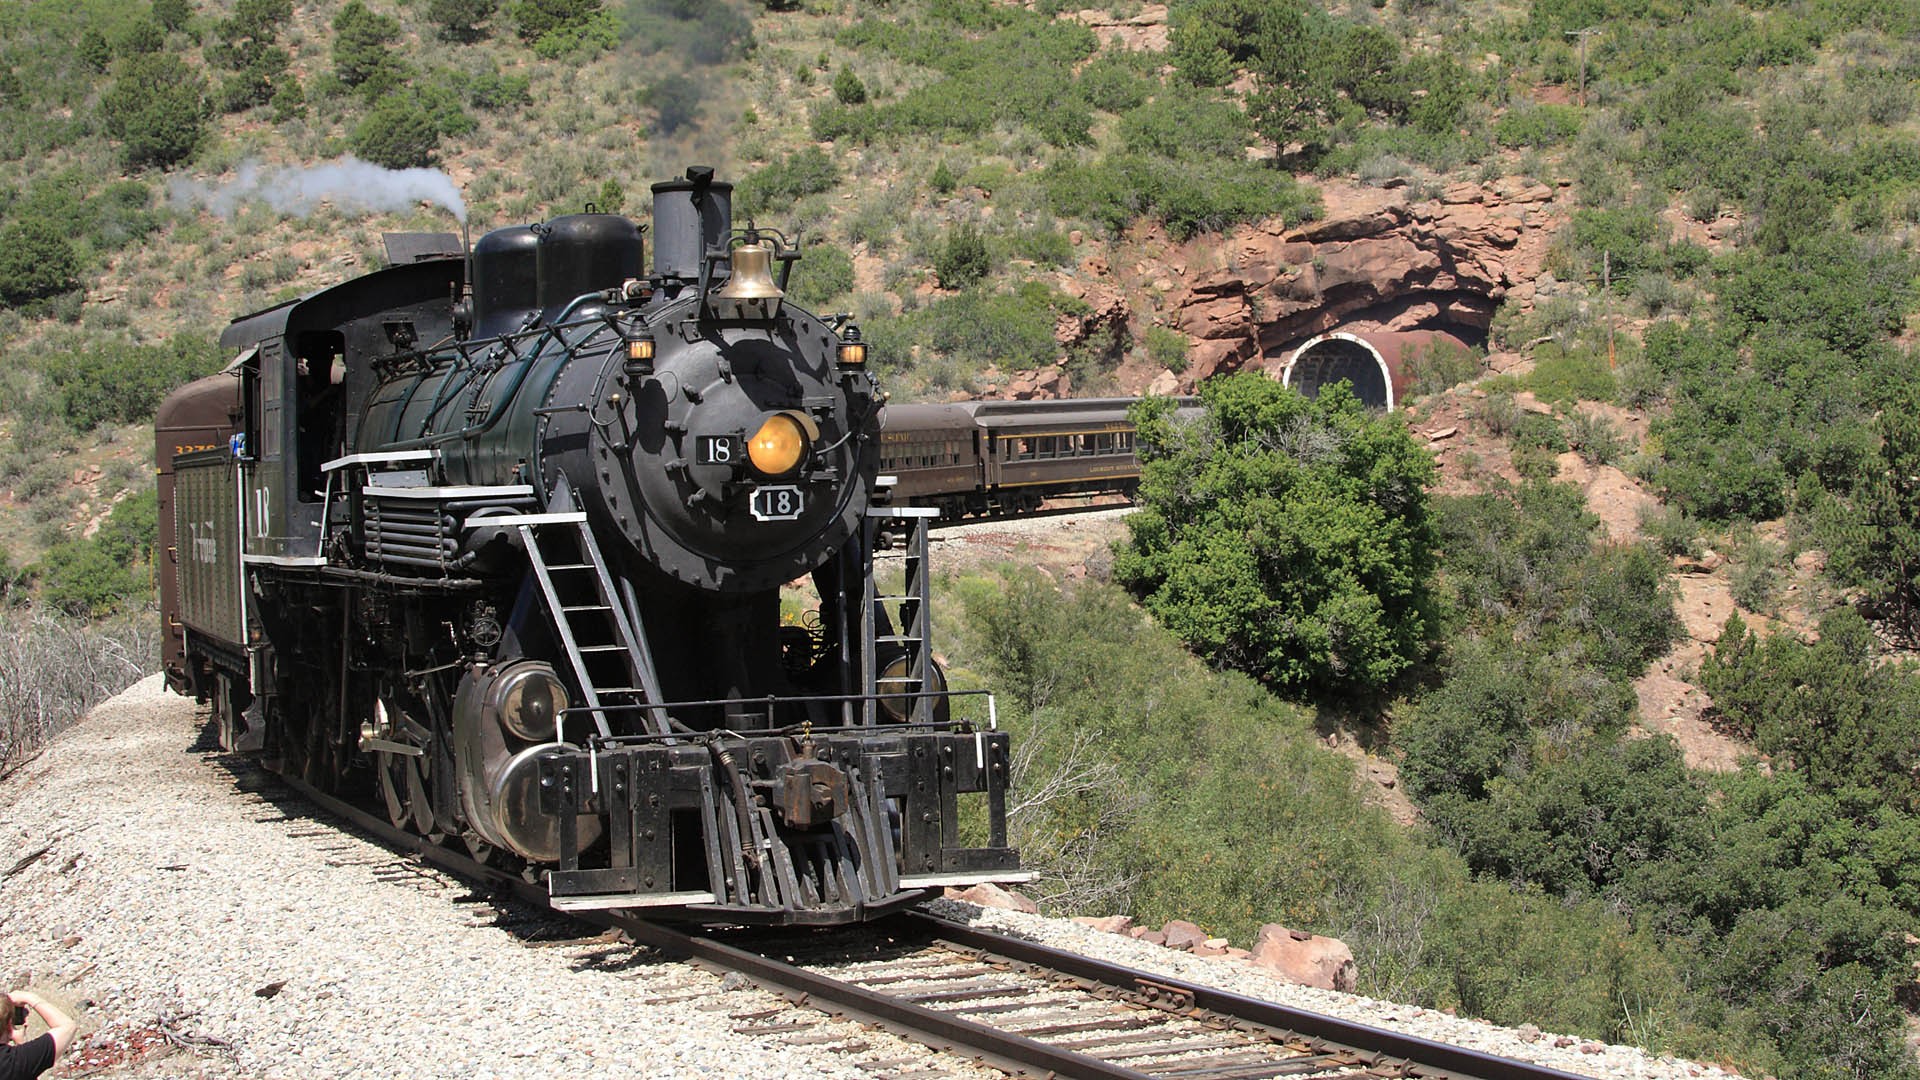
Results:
x,y
19,1014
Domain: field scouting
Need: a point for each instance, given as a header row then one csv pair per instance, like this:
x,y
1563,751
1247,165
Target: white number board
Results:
x,y
780,502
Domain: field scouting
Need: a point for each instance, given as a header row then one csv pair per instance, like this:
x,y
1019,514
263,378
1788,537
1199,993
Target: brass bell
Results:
x,y
752,274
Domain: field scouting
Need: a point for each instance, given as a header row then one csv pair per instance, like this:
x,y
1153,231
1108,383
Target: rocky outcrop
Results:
x,y
1306,959
987,894
1293,955
1145,31
1377,260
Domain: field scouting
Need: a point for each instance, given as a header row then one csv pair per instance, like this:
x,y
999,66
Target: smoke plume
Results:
x,y
349,184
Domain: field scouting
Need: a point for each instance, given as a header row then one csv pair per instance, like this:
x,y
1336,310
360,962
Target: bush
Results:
x,y
399,132
1187,126
461,20
113,382
1537,126
1565,376
675,102
775,188
1009,330
1167,348
1284,536
173,14
493,91
1115,82
1827,710
360,40
36,260
557,27
81,580
1594,436
1440,366
962,261
1189,197
823,274
1873,534
848,88
156,108
52,670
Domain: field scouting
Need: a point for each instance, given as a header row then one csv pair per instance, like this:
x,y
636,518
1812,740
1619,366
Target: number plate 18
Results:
x,y
780,502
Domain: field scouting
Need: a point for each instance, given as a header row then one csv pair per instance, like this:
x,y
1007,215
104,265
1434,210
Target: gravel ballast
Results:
x,y
209,931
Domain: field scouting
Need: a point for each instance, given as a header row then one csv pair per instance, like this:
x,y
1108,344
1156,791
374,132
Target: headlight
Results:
x,y
781,443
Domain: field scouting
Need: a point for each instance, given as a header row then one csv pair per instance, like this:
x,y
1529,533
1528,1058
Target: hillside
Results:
x,y
1676,238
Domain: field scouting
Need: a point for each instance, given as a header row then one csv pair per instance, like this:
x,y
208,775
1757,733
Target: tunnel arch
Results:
x,y
1373,361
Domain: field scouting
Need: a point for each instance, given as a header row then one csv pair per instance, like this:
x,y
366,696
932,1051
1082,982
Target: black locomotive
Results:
x,y
498,539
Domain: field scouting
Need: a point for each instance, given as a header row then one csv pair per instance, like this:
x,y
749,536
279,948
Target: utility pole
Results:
x,y
1583,35
1606,298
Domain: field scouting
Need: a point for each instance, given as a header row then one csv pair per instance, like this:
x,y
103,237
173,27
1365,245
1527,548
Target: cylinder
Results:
x,y
689,216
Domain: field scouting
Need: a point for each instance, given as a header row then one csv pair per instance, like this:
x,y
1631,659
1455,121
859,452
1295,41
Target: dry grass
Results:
x,y
52,670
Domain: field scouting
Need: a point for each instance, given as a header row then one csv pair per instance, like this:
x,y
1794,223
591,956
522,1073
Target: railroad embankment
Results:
x,y
206,925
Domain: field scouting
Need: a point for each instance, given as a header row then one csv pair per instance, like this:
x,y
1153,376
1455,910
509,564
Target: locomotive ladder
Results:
x,y
606,648
909,620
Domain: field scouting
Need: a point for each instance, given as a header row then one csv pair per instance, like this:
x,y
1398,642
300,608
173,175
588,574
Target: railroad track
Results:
x,y
1014,1005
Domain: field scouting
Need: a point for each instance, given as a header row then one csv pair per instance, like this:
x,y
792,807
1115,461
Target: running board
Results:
x,y
928,881
611,901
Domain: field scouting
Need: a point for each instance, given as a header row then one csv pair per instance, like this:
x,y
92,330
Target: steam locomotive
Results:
x,y
497,540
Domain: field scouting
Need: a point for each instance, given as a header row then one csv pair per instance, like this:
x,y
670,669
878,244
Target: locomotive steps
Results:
x,y
208,926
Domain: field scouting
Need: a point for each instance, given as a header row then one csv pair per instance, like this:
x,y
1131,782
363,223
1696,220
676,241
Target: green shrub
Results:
x,y
1671,530
824,274
1595,437
1189,197
848,89
461,20
1010,330
1115,82
1565,376
675,102
360,46
80,579
1537,126
557,27
1873,533
1535,429
1284,536
1187,126
36,260
173,14
962,261
775,187
1827,710
114,382
400,132
1042,245
1439,366
156,108
1167,348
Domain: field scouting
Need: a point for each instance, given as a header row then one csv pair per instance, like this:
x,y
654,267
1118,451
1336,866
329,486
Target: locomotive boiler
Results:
x,y
500,538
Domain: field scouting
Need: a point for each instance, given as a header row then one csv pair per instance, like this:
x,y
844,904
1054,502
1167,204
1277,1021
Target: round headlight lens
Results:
x,y
776,449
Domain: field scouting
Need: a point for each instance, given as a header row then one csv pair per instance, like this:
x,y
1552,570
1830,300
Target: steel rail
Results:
x,y
939,1030
1407,1055
1008,1052
1436,1058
